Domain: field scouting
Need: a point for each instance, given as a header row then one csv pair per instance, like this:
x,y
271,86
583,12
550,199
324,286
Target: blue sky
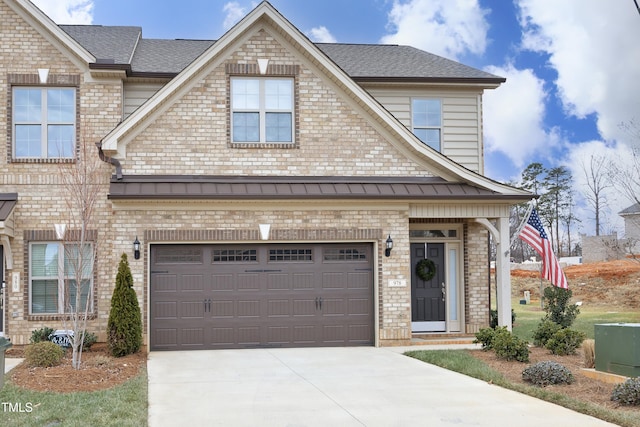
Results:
x,y
572,66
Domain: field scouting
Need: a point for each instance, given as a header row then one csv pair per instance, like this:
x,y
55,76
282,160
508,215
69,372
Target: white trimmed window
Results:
x,y
44,122
53,268
426,121
261,110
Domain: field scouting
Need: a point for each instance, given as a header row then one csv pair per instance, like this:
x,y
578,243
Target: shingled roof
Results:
x,y
361,61
115,45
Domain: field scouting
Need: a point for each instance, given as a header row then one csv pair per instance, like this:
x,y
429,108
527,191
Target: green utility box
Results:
x,y
618,348
5,344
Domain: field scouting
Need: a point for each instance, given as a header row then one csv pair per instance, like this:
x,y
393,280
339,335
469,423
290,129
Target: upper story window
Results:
x,y
426,121
44,122
262,110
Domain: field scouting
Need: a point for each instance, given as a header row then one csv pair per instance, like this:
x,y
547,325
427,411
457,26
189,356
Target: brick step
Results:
x,y
441,339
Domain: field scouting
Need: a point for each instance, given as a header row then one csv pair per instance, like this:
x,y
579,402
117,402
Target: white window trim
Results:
x,y
263,111
440,128
61,280
43,123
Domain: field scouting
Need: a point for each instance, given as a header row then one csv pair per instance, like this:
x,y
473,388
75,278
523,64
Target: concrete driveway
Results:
x,y
362,386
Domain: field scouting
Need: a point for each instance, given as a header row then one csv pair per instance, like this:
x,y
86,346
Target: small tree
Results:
x,y
558,308
125,322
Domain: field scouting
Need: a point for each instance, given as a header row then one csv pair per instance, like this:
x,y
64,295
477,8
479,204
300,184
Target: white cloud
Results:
x,y
514,116
234,13
448,28
67,11
321,35
593,46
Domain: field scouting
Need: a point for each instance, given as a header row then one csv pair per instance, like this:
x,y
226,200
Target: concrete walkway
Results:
x,y
362,386
10,363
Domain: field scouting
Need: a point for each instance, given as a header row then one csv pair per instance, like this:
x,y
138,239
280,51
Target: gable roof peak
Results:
x,y
41,22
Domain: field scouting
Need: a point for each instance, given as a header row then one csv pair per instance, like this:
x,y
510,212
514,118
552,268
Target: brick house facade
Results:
x,y
177,176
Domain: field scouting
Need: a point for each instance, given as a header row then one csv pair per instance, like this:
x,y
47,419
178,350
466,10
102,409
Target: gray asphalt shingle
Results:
x,y
357,60
167,56
106,43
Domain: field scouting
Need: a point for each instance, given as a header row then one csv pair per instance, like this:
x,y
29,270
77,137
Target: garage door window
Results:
x,y
234,255
288,255
175,255
347,254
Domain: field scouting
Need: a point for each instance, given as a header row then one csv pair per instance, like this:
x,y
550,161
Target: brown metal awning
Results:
x,y
7,203
183,187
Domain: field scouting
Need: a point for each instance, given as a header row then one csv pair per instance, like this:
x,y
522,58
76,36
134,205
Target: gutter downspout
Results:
x,y
112,160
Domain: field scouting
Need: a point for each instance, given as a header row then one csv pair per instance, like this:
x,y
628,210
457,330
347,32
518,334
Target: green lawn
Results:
x,y
124,405
528,317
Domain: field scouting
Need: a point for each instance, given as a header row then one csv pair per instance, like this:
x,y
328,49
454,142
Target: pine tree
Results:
x,y
125,321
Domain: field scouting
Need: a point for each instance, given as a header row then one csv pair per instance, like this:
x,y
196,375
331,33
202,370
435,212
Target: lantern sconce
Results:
x,y
136,248
389,243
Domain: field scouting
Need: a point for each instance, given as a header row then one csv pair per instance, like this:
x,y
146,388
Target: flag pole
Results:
x,y
525,218
515,237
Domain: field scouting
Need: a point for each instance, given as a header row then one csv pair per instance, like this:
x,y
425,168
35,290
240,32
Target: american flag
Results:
x,y
533,233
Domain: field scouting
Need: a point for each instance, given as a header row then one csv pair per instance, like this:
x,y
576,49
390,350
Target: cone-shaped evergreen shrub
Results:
x,y
124,329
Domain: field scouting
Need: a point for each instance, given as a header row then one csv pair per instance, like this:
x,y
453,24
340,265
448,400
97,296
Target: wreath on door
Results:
x,y
426,269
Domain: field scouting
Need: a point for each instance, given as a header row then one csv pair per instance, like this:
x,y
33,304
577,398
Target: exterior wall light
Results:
x,y
387,251
136,248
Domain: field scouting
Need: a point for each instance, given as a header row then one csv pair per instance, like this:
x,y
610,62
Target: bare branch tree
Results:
x,y
625,173
598,180
82,190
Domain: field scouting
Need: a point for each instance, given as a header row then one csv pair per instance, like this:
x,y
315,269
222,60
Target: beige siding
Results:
x,y
136,94
461,119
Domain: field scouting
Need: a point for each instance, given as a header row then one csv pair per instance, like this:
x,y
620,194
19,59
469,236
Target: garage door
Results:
x,y
278,295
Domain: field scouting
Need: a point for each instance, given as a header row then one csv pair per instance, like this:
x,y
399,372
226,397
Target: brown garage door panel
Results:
x,y
271,295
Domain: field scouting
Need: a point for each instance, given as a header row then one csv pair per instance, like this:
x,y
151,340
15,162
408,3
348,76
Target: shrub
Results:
x,y
41,334
627,393
508,346
124,328
43,354
543,333
557,306
545,373
565,342
484,336
89,339
589,351
493,318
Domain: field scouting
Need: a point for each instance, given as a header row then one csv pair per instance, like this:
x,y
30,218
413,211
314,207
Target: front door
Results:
x,y
428,291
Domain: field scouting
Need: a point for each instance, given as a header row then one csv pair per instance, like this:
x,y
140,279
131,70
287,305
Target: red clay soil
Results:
x,y
614,284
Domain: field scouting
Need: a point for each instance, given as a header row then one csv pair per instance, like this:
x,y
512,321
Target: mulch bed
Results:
x,y
98,371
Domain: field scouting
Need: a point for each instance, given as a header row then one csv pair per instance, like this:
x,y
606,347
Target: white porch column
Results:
x,y
503,274
503,269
